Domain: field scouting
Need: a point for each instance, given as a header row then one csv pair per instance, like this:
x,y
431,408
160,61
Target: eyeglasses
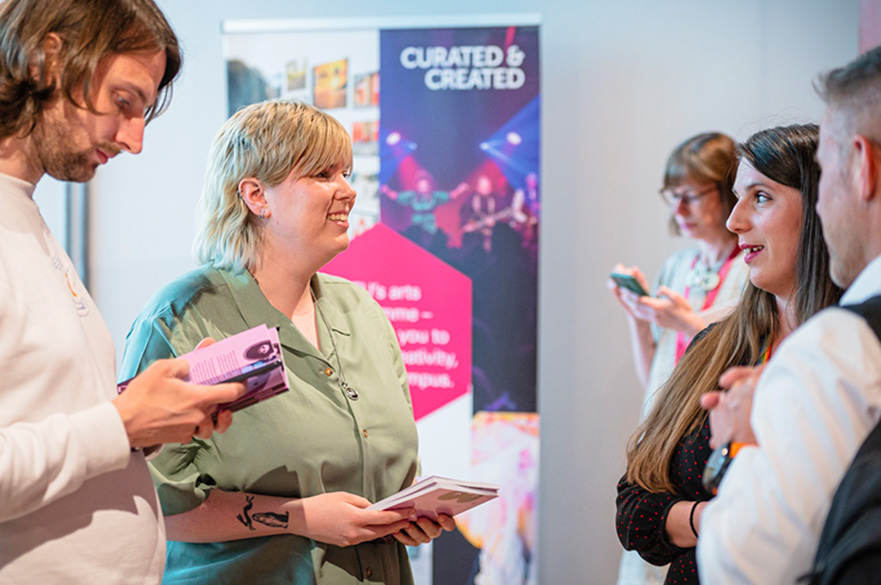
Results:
x,y
673,198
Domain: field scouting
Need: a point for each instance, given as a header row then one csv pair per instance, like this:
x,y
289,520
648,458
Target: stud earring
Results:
x,y
262,214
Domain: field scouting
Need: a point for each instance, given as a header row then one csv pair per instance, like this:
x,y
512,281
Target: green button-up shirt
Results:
x,y
310,440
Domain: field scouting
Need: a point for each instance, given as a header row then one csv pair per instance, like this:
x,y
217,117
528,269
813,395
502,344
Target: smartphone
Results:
x,y
629,282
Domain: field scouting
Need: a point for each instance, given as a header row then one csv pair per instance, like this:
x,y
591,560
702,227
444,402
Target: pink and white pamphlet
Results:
x,y
252,356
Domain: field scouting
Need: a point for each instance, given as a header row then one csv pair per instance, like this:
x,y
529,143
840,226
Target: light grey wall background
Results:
x,y
623,82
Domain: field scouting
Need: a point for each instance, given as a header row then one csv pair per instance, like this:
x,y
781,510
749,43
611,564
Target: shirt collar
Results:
x,y
335,319
256,309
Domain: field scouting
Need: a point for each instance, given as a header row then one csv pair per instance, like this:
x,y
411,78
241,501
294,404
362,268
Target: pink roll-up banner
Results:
x,y
444,115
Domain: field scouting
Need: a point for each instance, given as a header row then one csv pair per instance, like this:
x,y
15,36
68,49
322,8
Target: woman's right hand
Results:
x,y
340,519
628,299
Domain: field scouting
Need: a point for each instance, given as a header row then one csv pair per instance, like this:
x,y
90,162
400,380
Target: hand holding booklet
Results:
x,y
436,495
252,357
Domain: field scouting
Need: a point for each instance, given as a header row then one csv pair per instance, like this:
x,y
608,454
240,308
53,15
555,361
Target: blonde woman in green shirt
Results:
x,y
280,497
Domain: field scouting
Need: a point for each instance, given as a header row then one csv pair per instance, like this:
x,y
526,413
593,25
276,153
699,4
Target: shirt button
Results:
x,y
328,372
365,436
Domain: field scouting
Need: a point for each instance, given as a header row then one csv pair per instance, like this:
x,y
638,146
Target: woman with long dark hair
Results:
x,y
694,287
661,497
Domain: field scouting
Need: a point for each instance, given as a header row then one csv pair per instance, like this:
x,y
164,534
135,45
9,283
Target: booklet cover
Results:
x,y
252,356
436,495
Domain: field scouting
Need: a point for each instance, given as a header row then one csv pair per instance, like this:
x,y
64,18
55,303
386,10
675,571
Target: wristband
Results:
x,y
691,519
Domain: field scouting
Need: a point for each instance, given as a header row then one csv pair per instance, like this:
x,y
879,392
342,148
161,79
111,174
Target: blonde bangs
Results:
x,y
327,146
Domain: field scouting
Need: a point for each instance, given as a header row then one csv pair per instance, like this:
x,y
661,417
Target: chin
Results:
x,y
83,175
757,280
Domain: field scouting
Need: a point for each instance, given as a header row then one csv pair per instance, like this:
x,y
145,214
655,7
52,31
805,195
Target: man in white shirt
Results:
x,y
79,79
820,395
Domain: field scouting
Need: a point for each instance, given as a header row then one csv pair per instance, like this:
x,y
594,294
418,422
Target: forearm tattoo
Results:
x,y
266,518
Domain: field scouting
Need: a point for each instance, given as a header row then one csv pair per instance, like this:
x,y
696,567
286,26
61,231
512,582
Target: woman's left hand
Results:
x,y
424,529
670,310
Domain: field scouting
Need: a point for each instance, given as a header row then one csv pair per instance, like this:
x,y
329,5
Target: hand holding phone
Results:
x,y
629,282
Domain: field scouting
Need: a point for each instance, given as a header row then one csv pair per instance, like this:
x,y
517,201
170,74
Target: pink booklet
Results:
x,y
436,495
252,356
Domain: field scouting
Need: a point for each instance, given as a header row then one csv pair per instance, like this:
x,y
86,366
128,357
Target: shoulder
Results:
x,y
840,336
676,266
681,257
834,357
351,300
170,324
178,295
834,330
679,262
703,333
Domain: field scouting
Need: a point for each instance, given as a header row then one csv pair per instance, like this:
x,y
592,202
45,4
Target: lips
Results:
x,y
752,250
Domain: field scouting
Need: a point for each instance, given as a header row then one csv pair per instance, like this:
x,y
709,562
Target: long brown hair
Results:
x,y
90,30
785,155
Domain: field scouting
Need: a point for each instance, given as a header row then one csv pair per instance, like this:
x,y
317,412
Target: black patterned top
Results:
x,y
642,514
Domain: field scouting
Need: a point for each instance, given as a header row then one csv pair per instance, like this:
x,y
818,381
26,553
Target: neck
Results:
x,y
785,318
715,250
18,160
287,290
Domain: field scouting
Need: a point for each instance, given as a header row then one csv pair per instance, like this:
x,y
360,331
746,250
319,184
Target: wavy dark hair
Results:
x,y
786,155
89,30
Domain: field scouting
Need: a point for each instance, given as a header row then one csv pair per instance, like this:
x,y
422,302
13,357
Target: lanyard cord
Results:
x,y
350,392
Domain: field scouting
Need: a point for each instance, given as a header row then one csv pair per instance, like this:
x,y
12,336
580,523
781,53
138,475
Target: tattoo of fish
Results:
x,y
266,518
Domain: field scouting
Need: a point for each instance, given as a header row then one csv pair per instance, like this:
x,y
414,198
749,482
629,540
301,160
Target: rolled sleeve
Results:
x,y
641,523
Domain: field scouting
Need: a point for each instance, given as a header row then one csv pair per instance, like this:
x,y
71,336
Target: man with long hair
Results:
x,y
79,80
820,395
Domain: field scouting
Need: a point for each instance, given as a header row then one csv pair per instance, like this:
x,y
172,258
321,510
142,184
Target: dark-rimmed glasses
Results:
x,y
672,198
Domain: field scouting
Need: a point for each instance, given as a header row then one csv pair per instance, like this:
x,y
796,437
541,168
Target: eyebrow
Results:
x,y
750,186
755,184
129,86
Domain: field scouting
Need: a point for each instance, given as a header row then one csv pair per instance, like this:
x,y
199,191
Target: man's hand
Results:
x,y
730,410
158,406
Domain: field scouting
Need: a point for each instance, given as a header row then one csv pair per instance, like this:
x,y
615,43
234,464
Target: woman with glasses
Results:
x,y
662,495
694,287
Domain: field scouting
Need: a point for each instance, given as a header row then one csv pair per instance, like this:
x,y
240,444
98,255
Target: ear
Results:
x,y
45,68
866,159
252,192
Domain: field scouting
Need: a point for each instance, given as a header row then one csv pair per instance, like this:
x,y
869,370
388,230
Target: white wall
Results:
x,y
623,82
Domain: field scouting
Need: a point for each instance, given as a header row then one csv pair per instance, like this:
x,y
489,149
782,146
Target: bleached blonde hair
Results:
x,y
267,141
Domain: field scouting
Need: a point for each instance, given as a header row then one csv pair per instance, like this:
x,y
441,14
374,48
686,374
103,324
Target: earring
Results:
x,y
262,214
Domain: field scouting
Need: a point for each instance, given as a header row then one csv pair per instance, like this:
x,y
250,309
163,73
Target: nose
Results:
x,y
681,207
345,190
737,220
130,135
